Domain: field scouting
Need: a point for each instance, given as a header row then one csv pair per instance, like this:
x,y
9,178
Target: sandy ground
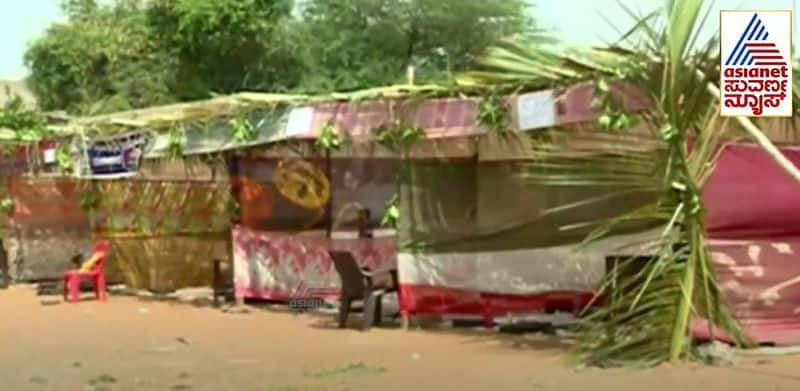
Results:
x,y
131,344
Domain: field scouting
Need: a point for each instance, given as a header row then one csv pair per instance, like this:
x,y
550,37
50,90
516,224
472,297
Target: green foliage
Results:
x,y
223,46
64,159
7,205
102,59
329,139
111,56
391,213
354,369
613,115
233,208
129,54
398,135
243,130
353,44
176,138
90,198
493,114
25,125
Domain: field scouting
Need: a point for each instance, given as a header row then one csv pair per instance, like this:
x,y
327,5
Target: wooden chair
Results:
x,y
360,284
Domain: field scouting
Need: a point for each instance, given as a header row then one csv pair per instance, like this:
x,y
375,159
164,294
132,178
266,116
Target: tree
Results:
x,y
100,60
223,46
350,44
137,53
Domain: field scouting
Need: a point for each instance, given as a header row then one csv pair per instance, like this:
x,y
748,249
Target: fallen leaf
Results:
x,y
38,380
102,379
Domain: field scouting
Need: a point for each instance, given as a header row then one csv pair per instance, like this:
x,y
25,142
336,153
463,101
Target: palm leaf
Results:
x,y
645,317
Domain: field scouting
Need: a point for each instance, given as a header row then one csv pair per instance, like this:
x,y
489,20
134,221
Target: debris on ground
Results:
x,y
162,349
102,379
356,369
117,289
716,353
306,388
102,382
236,309
39,380
50,301
47,288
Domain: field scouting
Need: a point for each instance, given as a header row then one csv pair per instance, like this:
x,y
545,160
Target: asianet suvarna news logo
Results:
x,y
755,68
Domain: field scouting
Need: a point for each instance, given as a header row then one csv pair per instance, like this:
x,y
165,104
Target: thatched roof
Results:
x,y
224,106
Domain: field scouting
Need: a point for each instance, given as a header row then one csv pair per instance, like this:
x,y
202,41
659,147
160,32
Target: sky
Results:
x,y
578,22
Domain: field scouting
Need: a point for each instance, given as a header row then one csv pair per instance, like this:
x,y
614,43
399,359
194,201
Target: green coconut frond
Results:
x,y
646,313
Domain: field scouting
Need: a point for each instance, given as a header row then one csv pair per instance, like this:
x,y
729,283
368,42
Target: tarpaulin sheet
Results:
x,y
46,205
49,224
753,215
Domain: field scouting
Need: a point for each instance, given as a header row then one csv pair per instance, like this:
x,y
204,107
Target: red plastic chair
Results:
x,y
73,278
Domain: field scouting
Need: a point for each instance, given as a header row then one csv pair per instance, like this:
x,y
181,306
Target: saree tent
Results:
x,y
280,245
472,237
475,238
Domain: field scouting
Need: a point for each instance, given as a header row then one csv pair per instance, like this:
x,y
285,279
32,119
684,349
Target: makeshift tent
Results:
x,y
455,238
48,224
43,221
473,238
167,224
296,206
477,238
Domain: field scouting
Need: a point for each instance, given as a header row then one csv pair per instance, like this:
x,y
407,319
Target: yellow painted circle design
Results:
x,y
302,183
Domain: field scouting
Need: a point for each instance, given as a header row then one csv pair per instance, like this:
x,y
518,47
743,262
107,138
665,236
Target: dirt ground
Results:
x,y
132,344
